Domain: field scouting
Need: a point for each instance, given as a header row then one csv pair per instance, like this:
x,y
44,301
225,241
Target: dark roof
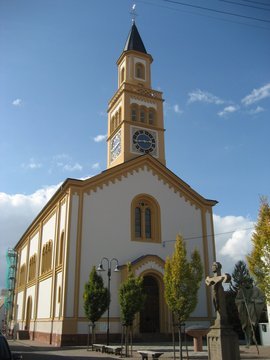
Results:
x,y
134,41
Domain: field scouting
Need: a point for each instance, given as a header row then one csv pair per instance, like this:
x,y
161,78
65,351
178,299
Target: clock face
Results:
x,y
144,141
116,146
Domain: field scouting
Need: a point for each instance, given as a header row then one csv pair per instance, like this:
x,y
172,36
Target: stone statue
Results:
x,y
216,282
250,302
222,341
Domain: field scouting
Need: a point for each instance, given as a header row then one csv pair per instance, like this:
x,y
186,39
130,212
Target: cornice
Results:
x,y
136,90
134,124
152,165
60,195
45,276
134,53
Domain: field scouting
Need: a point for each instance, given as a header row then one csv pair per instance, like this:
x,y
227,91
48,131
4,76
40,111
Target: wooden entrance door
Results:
x,y
149,316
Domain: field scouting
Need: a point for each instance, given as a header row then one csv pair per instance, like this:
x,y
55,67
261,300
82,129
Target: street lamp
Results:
x,y
109,273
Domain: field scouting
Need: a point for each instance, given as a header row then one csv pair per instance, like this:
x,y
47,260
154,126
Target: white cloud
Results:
x,y
204,96
233,239
16,213
177,109
17,102
60,157
66,163
257,95
75,167
228,110
258,110
100,138
32,165
96,165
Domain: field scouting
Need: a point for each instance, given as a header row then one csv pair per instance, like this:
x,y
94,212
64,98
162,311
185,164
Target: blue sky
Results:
x,y
58,72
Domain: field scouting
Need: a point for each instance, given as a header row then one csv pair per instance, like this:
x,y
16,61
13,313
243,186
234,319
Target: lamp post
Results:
x,y
109,273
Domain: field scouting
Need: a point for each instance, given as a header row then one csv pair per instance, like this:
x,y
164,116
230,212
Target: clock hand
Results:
x,y
145,141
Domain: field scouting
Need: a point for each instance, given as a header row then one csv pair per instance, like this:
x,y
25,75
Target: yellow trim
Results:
x,y
45,276
67,249
206,261
78,256
31,283
54,259
213,235
59,268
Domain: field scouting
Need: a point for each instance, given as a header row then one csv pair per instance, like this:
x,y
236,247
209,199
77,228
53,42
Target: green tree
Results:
x,y
131,298
240,276
96,299
182,280
259,258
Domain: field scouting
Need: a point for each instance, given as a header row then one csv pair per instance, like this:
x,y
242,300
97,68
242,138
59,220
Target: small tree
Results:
x,y
96,299
131,298
240,276
259,258
182,280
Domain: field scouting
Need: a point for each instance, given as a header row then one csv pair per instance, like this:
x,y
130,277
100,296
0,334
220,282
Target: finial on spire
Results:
x,y
133,13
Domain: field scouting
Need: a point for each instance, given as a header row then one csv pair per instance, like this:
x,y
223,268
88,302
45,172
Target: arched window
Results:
x,y
142,115
120,115
32,268
138,222
145,219
112,124
22,275
46,263
49,256
134,111
122,74
148,223
140,71
116,119
151,117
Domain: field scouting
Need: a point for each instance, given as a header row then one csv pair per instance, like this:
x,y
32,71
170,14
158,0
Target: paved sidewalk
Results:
x,y
29,346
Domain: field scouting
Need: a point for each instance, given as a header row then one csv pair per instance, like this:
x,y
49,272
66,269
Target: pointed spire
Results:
x,y
134,41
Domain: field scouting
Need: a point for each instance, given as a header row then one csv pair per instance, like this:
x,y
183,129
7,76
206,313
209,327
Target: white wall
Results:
x,y
23,255
48,230
20,305
106,228
34,245
44,299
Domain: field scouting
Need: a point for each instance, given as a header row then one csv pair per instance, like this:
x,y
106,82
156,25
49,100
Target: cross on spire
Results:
x,y
133,13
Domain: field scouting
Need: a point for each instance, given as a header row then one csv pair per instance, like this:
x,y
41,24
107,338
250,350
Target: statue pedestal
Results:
x,y
222,343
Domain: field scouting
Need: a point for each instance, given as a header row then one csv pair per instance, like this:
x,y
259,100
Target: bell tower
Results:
x,y
135,113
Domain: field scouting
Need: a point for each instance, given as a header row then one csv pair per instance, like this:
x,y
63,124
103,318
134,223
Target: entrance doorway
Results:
x,y
28,313
149,316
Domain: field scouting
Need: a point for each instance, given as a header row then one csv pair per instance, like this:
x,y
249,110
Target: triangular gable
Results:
x,y
116,173
151,164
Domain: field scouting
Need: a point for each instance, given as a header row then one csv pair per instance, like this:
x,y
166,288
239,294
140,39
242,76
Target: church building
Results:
x,y
129,213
